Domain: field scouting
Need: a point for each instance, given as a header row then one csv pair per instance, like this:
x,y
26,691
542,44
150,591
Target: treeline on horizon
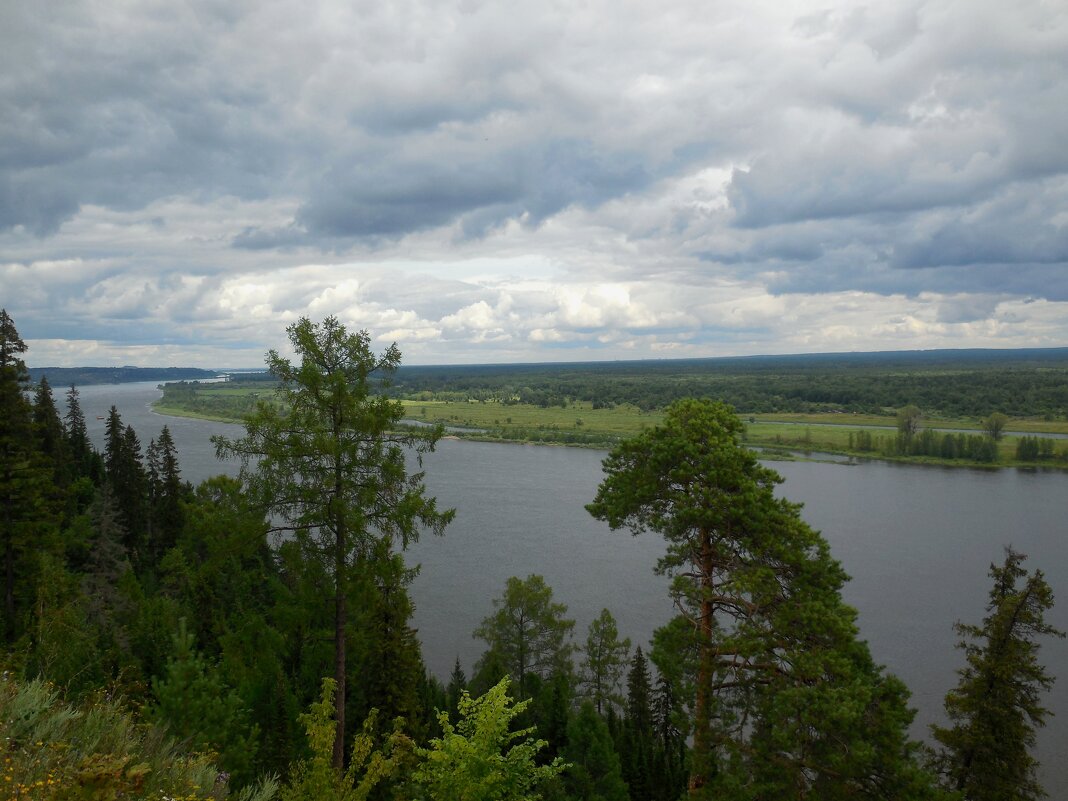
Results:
x,y
86,376
159,642
948,384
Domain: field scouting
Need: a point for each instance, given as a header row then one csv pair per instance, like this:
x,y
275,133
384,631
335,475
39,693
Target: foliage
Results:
x,y
528,633
128,481
55,752
948,384
994,425
370,764
996,707
480,759
787,700
166,491
605,659
908,421
329,461
24,481
594,773
1033,449
195,705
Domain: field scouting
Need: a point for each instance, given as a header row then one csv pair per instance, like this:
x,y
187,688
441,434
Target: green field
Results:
x,y
578,423
963,423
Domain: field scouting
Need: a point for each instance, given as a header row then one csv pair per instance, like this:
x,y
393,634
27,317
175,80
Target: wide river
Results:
x,y
918,542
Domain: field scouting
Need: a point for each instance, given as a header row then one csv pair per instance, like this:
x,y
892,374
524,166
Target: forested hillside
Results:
x,y
251,638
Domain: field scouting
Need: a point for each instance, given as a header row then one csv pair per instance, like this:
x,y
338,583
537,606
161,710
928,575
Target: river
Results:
x,y
917,540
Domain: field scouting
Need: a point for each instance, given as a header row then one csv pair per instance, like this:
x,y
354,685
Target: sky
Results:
x,y
532,182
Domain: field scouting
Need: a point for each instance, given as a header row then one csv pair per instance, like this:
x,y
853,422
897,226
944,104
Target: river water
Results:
x,y
917,540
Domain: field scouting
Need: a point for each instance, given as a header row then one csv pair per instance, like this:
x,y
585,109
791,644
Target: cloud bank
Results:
x,y
500,182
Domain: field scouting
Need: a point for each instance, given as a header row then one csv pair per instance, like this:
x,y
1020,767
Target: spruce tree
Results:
x,y
78,445
166,493
24,482
197,706
387,654
636,745
996,707
128,481
594,772
48,432
454,690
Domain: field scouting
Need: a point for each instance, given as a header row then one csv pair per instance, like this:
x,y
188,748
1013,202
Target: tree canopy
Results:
x,y
996,707
328,459
787,700
528,633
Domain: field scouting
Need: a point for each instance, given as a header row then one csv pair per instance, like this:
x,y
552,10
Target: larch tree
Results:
x,y
328,458
604,662
528,633
788,703
996,707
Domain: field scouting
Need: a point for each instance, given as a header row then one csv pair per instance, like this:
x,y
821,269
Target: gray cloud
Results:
x,y
199,172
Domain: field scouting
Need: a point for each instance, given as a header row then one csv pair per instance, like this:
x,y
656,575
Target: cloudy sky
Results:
x,y
493,182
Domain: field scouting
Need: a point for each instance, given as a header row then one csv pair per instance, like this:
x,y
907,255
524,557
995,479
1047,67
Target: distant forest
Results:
x,y
944,383
83,376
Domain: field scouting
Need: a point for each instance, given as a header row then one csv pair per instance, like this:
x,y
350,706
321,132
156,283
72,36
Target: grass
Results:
x,y
53,751
890,421
580,424
520,421
178,411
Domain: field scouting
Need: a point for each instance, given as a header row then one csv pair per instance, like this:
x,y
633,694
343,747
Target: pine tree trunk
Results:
x,y
340,622
702,735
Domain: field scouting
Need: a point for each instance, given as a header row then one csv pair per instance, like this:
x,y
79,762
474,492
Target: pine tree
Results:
x,y
785,696
996,707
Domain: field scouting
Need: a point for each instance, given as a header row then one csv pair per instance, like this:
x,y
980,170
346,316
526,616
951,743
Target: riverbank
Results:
x,y
950,443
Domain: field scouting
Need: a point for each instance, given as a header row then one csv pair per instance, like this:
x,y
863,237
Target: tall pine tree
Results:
x,y
787,699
